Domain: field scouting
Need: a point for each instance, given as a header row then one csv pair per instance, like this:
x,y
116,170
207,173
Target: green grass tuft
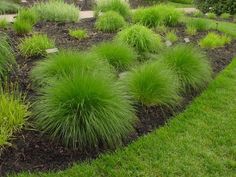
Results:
x,y
35,45
110,22
211,15
141,38
197,24
7,6
4,23
190,64
171,36
225,16
78,33
213,40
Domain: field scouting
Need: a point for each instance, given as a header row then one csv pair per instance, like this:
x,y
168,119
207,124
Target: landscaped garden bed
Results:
x,y
142,84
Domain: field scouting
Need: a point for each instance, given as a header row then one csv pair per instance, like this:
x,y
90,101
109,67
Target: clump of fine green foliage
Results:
x,y
54,67
171,36
3,23
7,58
211,15
35,45
58,11
85,110
157,15
8,6
195,25
213,40
153,84
120,6
25,20
119,55
198,14
190,64
110,22
140,38
225,16
12,116
78,33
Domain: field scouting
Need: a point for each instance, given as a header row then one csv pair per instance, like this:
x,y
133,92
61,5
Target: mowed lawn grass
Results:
x,y
200,142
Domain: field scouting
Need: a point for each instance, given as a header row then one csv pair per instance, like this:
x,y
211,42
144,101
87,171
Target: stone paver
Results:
x,y
10,18
189,10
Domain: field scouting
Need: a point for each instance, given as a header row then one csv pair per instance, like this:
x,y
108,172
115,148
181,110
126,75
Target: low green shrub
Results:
x,y
140,38
57,11
27,15
85,110
211,15
7,6
190,64
118,55
78,33
3,23
213,40
120,6
153,84
22,26
64,63
35,45
110,22
225,16
198,24
171,36
12,116
7,58
157,15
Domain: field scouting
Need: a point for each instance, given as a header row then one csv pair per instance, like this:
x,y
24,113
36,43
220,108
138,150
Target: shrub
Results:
x,y
57,11
171,36
141,38
64,63
119,6
35,45
153,84
85,110
3,23
7,6
22,26
213,40
190,64
157,15
198,24
6,56
110,21
119,55
211,15
12,116
218,7
78,34
225,16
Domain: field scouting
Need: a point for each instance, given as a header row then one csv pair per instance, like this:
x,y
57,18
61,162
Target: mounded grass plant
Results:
x,y
190,64
120,6
110,22
22,27
12,116
225,16
57,11
78,33
140,38
54,67
213,40
171,36
119,55
85,110
35,45
153,84
4,23
7,58
197,24
211,15
7,6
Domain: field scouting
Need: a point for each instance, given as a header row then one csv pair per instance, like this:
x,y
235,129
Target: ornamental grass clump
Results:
x,y
85,110
12,115
120,6
110,22
225,16
211,15
119,55
56,11
213,40
153,84
78,33
54,67
140,38
7,58
198,24
35,45
190,64
4,23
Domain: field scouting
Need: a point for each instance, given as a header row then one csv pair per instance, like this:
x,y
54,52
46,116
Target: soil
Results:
x,y
33,151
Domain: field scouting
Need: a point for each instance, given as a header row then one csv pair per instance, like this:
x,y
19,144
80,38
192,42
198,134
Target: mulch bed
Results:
x,y
32,151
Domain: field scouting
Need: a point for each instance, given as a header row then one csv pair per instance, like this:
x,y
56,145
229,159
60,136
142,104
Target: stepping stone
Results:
x,y
186,40
23,1
188,10
53,50
168,43
86,14
9,18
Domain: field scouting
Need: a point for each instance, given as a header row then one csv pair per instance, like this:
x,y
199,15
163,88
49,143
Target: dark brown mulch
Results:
x,y
32,151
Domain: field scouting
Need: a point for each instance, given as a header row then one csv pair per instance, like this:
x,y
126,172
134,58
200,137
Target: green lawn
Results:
x,y
179,5
201,141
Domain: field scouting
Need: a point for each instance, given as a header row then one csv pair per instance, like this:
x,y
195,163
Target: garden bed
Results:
x,y
32,151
